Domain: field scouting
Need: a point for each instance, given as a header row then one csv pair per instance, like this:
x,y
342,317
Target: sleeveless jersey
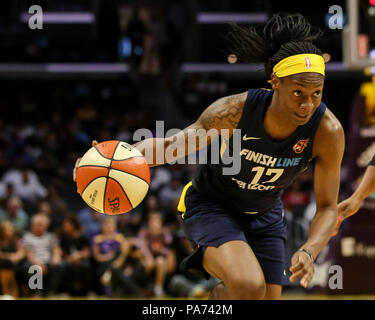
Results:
x,y
267,166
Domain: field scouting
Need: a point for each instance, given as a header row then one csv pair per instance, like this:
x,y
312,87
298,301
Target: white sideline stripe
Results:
x,y
65,67
63,17
225,17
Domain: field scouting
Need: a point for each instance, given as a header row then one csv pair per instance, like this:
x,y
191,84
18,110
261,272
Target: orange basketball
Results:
x,y
113,177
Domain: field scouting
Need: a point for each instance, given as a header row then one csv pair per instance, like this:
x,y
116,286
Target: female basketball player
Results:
x,y
351,205
237,221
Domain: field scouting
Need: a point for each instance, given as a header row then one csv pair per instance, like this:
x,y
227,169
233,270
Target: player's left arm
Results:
x,y
328,149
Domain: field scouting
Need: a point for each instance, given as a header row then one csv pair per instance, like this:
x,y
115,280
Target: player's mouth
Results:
x,y
302,117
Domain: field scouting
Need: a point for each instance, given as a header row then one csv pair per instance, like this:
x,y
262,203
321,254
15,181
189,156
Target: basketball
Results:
x,y
113,177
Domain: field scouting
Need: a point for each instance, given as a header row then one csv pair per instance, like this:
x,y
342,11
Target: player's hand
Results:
x,y
93,144
346,209
302,267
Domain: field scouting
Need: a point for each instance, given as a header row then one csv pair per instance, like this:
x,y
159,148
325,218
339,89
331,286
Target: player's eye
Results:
x,y
317,93
297,93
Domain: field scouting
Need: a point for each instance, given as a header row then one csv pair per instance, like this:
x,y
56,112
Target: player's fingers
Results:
x,y
341,209
306,270
94,143
75,168
307,277
297,275
296,267
347,209
306,280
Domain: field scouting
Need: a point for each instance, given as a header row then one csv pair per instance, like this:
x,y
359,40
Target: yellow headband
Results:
x,y
299,63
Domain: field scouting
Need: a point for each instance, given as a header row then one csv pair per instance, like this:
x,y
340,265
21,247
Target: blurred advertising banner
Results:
x,y
353,248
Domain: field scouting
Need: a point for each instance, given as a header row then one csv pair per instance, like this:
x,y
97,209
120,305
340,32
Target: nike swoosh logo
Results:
x,y
245,137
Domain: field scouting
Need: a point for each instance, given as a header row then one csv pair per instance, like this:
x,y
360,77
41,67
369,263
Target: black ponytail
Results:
x,y
283,35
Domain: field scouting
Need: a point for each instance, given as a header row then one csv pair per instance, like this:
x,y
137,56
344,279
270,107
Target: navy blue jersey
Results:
x,y
372,162
267,166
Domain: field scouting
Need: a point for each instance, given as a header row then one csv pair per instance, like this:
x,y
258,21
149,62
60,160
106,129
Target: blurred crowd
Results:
x,y
88,253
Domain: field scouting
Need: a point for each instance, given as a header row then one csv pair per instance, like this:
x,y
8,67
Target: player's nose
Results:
x,y
307,104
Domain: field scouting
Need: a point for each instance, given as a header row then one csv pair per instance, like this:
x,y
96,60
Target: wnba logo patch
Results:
x,y
300,145
308,63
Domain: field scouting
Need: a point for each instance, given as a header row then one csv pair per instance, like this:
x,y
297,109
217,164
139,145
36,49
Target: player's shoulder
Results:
x,y
237,98
330,137
251,95
258,93
330,125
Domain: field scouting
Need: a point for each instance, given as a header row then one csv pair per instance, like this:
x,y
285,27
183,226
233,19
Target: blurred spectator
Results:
x,y
11,253
16,215
169,197
170,194
58,205
26,184
76,255
91,222
157,240
160,176
151,204
42,248
133,276
6,192
55,219
295,196
129,224
109,249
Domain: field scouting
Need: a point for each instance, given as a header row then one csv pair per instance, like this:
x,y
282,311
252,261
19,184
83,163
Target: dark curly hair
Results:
x,y
284,35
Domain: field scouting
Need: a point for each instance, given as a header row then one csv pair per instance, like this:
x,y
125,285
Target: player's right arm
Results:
x,y
224,113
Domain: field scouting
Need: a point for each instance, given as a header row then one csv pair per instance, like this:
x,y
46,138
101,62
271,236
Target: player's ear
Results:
x,y
275,81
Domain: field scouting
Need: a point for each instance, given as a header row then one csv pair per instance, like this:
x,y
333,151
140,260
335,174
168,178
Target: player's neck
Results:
x,y
276,124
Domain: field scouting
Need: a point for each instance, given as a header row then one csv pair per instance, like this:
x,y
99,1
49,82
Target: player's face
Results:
x,y
300,95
